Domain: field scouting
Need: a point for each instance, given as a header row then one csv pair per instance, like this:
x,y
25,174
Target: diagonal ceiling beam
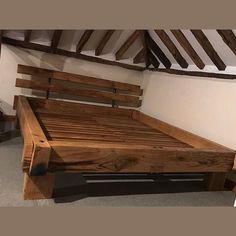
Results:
x,y
188,48
151,44
208,48
84,39
55,40
127,44
27,35
140,57
172,48
103,42
153,60
1,33
229,38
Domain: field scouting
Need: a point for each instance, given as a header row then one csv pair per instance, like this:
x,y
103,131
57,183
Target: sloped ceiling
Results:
x,y
127,45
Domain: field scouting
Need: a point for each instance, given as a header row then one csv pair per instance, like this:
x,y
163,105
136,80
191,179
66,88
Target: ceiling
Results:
x,y
185,50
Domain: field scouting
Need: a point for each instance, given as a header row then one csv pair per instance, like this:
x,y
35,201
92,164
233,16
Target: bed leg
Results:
x,y
38,187
215,181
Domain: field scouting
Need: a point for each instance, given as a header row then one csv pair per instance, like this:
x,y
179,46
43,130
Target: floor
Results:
x,y
102,193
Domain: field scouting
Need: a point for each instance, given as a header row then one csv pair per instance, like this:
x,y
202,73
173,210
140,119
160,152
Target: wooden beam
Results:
x,y
153,59
188,48
30,127
229,38
55,40
195,73
27,35
230,184
151,44
62,52
127,44
208,48
140,57
103,42
172,48
144,41
0,42
83,40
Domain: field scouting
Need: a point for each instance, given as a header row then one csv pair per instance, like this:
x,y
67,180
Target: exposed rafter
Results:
x,y
1,33
208,48
55,40
229,38
28,35
84,39
140,57
151,44
172,48
127,44
153,59
103,42
188,48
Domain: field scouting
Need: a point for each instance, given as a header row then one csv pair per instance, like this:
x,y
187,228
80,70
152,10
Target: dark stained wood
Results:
x,y
188,48
230,184
208,48
195,73
172,48
140,57
27,35
127,44
153,60
144,41
103,42
62,52
81,79
1,32
106,96
215,181
151,44
229,38
55,40
84,39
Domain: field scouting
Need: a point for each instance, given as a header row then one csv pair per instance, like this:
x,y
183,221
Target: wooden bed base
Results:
x,y
61,136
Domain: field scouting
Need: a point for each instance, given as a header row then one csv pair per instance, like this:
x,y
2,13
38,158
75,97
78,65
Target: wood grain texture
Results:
x,y
188,48
208,48
103,42
76,78
172,48
61,89
55,40
229,38
40,152
182,135
121,51
83,40
38,187
151,44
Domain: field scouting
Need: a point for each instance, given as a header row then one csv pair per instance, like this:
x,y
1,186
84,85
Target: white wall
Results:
x,y
12,56
204,106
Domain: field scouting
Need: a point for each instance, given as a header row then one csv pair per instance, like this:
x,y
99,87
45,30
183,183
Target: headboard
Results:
x,y
79,87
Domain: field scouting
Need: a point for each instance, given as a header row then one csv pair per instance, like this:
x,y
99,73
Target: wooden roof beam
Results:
x,y
172,48
153,60
103,42
229,38
55,40
208,48
83,40
127,44
140,57
151,44
188,48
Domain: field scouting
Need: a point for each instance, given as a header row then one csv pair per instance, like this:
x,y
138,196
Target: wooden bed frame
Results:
x,y
66,136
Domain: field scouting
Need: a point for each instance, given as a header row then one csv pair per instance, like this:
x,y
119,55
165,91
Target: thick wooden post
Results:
x,y
215,181
38,187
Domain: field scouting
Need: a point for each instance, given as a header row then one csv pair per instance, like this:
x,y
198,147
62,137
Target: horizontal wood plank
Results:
x,y
87,80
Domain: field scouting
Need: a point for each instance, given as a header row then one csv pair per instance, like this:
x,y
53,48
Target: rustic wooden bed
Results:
x,y
66,136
